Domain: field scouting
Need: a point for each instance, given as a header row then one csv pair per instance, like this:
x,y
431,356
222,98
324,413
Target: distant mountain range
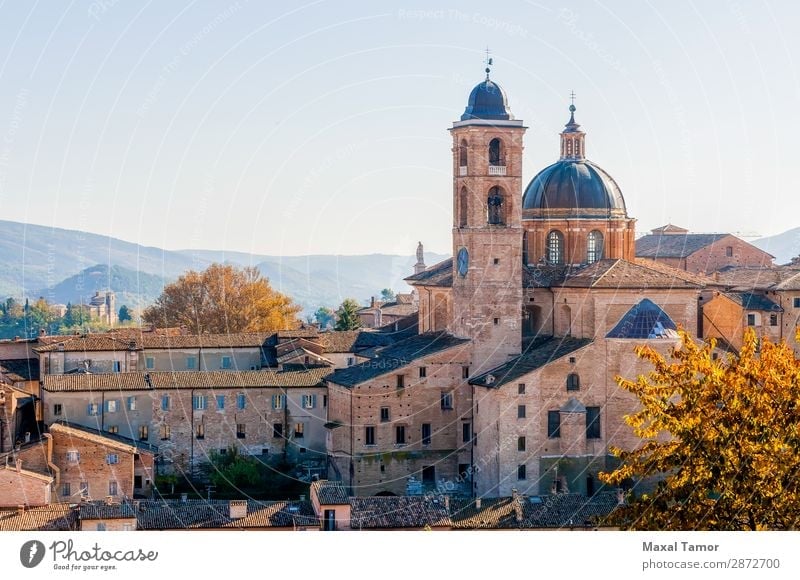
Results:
x,y
783,246
69,266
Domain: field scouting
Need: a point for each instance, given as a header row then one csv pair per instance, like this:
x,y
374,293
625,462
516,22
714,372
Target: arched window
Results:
x,y
555,247
594,247
573,382
462,154
462,208
496,153
495,207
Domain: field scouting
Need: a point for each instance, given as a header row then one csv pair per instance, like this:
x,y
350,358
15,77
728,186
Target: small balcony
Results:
x,y
462,171
497,170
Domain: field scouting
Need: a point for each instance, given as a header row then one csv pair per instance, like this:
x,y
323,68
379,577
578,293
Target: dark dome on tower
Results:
x,y
487,101
573,184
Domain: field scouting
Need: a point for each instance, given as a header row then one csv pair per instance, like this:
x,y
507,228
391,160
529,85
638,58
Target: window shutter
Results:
x,y
313,401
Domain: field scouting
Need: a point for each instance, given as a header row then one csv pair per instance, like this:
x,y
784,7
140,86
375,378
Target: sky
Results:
x,y
321,127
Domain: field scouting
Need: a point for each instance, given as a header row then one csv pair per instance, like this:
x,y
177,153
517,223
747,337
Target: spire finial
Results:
x,y
488,63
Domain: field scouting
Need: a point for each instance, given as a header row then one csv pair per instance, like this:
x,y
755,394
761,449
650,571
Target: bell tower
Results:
x,y
487,227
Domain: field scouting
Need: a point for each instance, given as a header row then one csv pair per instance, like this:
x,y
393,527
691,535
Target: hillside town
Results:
x,y
483,398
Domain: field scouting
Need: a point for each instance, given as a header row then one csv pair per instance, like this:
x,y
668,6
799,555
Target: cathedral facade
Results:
x,y
510,384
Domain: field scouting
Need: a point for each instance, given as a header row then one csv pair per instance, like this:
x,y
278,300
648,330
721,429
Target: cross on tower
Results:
x,y
572,96
488,62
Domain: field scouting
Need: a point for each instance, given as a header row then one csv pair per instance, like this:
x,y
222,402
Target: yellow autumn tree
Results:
x,y
223,299
721,435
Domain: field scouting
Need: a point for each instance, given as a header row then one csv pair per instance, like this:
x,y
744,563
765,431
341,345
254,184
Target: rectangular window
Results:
x,y
113,429
84,487
496,321
220,402
165,402
466,432
446,401
241,431
144,433
73,456
165,433
384,414
149,363
729,251
112,488
423,372
401,381
797,302
573,382
522,472
116,366
521,411
200,431
464,372
57,409
369,435
199,402
309,401
324,400
191,363
751,320
351,361
426,433
241,401
400,435
773,320
522,443
554,424
226,362
93,409
299,430
112,458
111,406
593,422
278,401
65,490
277,430
131,403
521,389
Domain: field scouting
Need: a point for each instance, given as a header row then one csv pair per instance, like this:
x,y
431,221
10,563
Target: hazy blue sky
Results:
x,y
321,127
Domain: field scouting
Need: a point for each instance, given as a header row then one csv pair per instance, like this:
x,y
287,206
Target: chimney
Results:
x,y
20,509
238,508
42,332
516,500
19,464
372,302
477,503
447,502
184,497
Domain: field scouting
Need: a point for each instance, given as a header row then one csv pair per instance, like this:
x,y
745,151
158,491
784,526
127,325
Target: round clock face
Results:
x,y
463,262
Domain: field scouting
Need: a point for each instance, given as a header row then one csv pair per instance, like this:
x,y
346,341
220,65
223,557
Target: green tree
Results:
x,y
231,471
387,295
721,436
347,317
124,314
325,317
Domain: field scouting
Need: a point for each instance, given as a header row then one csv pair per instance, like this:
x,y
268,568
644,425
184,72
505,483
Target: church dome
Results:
x,y
487,101
573,184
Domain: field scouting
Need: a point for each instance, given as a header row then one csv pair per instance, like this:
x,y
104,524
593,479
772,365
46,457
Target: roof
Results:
x,y
396,356
618,273
746,279
346,341
109,440
144,381
669,229
674,245
203,514
106,511
536,356
330,492
45,479
398,512
644,320
122,342
50,518
395,308
750,301
440,275
487,101
20,370
576,185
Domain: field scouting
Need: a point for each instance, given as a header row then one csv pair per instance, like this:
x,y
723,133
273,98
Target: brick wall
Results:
x,y
22,488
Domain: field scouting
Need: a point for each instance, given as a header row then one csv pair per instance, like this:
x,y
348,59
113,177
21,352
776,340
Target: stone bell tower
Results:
x,y
487,227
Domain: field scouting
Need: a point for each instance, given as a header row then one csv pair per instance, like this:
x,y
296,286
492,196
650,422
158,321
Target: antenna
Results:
x,y
488,62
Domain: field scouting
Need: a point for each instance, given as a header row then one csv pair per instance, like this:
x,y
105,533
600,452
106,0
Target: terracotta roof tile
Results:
x,y
414,512
54,517
20,370
215,514
440,274
330,492
105,511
